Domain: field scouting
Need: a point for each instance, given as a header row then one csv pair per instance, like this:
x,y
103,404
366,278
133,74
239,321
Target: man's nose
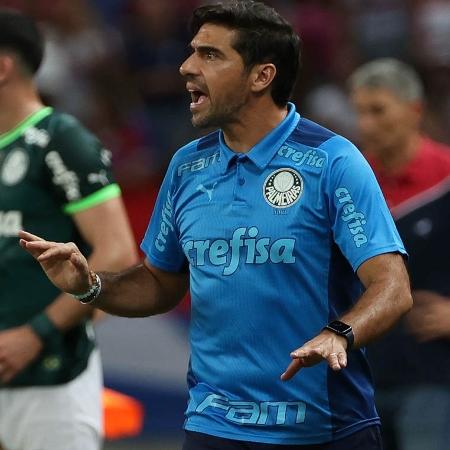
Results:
x,y
366,124
188,68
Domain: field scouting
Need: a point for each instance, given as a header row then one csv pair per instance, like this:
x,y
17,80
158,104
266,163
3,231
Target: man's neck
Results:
x,y
395,159
256,121
17,102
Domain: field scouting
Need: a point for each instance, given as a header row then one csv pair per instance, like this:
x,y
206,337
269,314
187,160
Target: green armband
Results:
x,y
43,327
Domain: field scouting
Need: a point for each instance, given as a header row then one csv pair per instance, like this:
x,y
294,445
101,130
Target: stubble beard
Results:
x,y
221,116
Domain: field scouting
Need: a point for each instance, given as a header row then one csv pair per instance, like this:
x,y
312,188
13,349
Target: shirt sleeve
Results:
x,y
79,167
161,243
361,223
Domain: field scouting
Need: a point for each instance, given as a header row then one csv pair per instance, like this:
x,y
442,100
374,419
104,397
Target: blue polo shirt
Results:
x,y
272,239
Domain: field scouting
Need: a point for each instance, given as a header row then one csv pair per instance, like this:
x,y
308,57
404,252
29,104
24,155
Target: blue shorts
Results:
x,y
367,439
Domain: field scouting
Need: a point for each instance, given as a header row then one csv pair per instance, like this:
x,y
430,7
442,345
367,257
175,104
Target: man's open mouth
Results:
x,y
197,97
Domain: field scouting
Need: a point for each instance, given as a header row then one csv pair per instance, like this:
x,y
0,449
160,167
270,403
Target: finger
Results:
x,y
342,358
32,251
292,369
302,352
333,361
7,375
28,236
40,245
23,244
337,361
59,251
4,372
35,248
312,355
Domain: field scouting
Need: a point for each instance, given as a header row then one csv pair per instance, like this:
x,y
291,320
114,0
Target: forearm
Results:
x,y
135,292
379,308
65,311
140,291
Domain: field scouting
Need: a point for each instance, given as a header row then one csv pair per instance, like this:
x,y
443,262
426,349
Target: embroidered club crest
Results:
x,y
15,167
283,188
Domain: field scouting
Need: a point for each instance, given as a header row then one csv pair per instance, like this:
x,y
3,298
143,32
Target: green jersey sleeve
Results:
x,y
79,167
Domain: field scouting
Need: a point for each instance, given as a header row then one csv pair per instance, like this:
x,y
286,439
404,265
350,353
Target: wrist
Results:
x,y
43,327
93,292
342,330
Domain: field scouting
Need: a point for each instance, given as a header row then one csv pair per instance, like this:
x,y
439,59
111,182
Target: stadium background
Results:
x,y
114,65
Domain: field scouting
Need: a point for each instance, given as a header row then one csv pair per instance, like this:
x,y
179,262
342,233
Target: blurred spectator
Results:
x,y
328,104
412,364
155,39
78,47
432,53
382,28
432,33
322,25
126,129
111,10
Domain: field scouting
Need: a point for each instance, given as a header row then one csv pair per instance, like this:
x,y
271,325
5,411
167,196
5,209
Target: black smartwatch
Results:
x,y
342,329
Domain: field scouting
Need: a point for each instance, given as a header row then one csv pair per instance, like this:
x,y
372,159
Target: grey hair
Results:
x,y
391,74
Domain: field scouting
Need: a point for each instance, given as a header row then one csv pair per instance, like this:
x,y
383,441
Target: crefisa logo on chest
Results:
x,y
283,187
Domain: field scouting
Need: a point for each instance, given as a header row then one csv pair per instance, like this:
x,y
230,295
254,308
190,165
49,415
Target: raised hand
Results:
x,y
63,263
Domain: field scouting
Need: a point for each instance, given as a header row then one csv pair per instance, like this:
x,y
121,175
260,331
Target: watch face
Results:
x,y
340,327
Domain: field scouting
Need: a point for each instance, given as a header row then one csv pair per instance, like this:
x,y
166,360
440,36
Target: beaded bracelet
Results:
x,y
93,292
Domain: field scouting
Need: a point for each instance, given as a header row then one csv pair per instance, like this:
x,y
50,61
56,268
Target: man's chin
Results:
x,y
199,121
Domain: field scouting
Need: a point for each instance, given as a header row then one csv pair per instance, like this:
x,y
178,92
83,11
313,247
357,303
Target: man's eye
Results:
x,y
210,54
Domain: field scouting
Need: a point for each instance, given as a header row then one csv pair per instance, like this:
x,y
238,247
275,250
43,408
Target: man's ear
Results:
x,y
6,67
261,77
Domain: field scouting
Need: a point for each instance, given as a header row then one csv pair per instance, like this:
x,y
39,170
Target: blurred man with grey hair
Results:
x,y
412,364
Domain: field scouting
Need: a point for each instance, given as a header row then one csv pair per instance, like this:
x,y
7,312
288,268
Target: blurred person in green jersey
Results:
x,y
55,179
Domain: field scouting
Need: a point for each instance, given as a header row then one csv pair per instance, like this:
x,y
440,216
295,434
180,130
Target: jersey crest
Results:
x,y
283,188
15,167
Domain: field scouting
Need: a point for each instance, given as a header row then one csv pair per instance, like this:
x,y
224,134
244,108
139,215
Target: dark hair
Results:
x,y
20,34
263,36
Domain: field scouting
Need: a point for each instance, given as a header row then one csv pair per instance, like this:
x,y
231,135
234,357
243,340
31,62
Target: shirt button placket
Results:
x,y
240,179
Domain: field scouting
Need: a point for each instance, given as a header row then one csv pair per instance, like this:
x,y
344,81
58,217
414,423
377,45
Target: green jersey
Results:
x,y
50,168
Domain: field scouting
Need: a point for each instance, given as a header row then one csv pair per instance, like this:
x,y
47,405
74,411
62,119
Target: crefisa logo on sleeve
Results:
x,y
283,188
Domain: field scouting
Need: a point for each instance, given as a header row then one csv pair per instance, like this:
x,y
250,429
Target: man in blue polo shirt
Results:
x,y
280,230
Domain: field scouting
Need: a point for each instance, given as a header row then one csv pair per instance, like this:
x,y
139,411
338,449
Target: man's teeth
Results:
x,y
197,97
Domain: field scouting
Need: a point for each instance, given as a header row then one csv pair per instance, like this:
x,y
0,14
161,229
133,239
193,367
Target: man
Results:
x,y
55,179
412,365
267,220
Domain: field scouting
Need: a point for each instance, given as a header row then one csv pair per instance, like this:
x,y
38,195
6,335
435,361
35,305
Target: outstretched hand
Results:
x,y
326,346
63,263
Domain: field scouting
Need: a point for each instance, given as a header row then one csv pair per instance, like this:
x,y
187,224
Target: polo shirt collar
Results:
x,y
263,152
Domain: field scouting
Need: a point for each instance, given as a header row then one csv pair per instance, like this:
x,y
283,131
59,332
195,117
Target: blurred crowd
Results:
x,y
114,65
